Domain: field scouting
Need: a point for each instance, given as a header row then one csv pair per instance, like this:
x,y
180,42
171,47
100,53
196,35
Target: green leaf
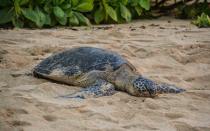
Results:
x,y
38,2
6,15
84,7
56,2
36,16
48,8
62,20
41,18
99,15
61,1
65,6
47,19
30,14
53,21
17,23
120,19
4,3
17,7
68,13
23,2
138,9
124,2
145,4
58,12
74,2
73,20
202,21
111,12
134,2
60,15
82,19
125,13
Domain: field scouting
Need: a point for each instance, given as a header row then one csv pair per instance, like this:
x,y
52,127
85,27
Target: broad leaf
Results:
x,y
202,21
23,2
41,18
47,19
55,2
73,20
62,20
36,16
138,9
41,1
65,6
30,14
6,15
134,2
48,8
84,7
125,13
82,19
120,19
53,21
69,13
4,3
58,12
17,23
145,4
99,15
111,12
17,7
61,1
74,2
124,2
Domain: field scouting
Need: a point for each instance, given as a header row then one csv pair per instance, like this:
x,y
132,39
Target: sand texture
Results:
x,y
165,50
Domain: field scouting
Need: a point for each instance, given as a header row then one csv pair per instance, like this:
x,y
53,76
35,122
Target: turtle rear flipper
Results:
x,y
100,88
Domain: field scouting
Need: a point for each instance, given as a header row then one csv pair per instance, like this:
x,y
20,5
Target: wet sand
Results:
x,y
174,52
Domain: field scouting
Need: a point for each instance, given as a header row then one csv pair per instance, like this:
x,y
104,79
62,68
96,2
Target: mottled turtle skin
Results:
x,y
100,72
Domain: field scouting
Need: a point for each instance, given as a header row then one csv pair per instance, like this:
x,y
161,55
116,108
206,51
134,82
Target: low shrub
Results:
x,y
48,13
202,21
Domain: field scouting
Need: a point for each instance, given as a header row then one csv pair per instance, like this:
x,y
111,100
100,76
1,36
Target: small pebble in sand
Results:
x,y
3,84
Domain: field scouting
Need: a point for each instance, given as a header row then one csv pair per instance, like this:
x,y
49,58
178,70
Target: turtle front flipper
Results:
x,y
100,88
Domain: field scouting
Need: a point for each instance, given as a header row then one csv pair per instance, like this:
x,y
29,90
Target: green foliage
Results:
x,y
119,10
85,6
48,13
36,16
202,21
7,15
145,4
125,13
99,15
192,11
198,11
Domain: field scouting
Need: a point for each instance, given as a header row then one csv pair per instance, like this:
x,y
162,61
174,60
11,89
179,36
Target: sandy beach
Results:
x,y
165,50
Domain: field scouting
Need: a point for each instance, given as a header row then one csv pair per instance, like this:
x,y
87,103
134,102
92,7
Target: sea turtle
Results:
x,y
100,71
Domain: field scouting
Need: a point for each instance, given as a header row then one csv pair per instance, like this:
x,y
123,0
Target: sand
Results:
x,y
165,50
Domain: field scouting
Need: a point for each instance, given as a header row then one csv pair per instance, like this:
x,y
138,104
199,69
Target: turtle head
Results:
x,y
144,87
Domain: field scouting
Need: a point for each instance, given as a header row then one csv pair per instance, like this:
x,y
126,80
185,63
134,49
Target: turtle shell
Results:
x,y
82,59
